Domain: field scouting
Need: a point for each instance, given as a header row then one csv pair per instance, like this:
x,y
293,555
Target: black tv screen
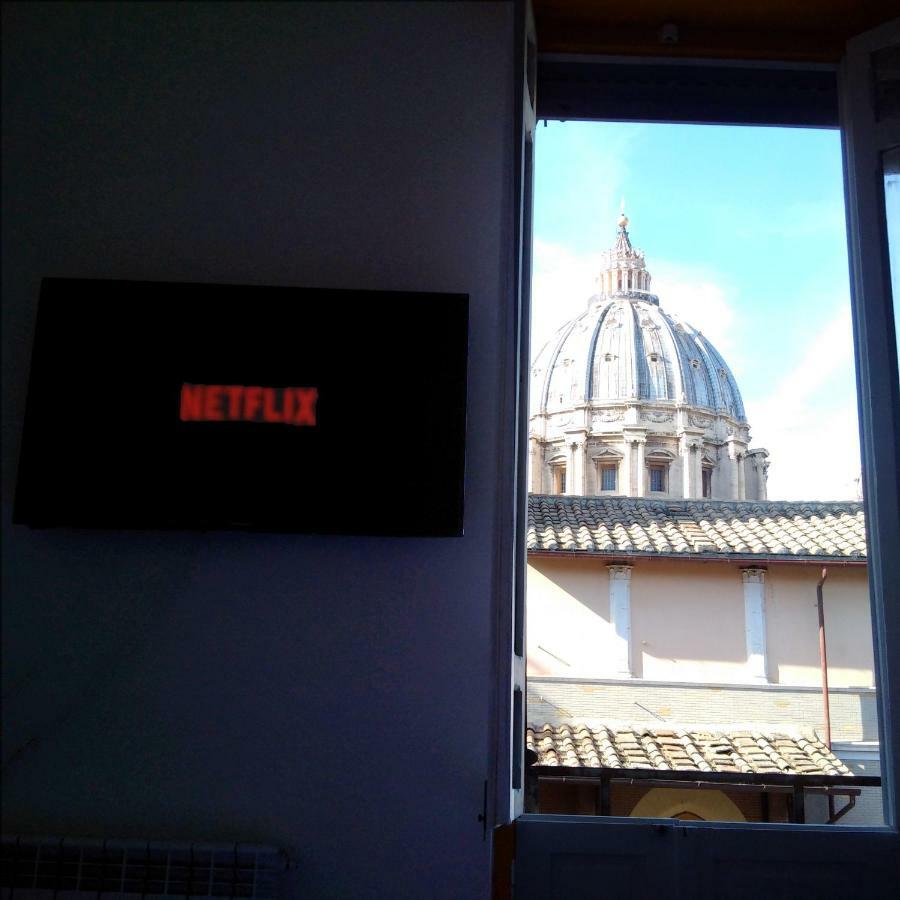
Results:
x,y
201,406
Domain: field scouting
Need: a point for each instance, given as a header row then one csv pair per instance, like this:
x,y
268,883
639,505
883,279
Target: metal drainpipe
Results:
x,y
823,659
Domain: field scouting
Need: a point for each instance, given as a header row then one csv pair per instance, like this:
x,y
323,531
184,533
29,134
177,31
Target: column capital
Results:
x,y
754,578
753,574
690,439
620,571
736,446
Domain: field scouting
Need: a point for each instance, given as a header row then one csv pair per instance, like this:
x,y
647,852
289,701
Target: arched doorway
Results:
x,y
688,804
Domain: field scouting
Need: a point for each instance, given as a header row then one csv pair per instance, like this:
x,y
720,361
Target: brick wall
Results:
x,y
554,700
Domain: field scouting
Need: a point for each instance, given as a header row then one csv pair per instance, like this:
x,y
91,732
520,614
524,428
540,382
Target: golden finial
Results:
x,y
623,219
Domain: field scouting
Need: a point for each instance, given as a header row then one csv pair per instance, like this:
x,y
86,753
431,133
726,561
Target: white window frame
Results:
x,y
879,421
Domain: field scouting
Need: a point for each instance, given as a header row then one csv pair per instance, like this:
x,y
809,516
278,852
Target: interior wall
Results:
x,y
328,695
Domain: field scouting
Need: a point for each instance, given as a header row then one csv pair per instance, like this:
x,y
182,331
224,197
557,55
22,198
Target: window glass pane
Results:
x,y
673,624
559,476
891,163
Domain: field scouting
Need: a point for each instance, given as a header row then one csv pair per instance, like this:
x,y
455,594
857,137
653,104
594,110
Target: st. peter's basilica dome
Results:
x,y
628,399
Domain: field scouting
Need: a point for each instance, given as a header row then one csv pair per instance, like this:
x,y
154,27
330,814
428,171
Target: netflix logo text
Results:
x,y
239,403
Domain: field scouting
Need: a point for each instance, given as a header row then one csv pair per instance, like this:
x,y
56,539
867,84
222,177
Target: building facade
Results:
x,y
649,617
627,399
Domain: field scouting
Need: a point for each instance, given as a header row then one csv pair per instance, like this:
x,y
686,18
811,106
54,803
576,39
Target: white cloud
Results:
x,y
815,456
561,285
828,352
699,298
808,422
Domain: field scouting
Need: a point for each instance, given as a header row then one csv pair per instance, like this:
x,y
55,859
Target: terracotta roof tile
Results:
x,y
711,750
621,525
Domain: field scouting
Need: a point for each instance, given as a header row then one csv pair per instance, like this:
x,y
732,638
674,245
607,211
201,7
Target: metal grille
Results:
x,y
34,868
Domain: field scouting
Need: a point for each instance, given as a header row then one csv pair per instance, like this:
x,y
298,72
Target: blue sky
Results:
x,y
744,235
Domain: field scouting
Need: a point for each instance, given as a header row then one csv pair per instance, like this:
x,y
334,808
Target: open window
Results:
x,y
606,89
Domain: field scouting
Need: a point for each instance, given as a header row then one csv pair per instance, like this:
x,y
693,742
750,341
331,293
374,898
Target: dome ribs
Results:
x,y
551,363
592,353
629,330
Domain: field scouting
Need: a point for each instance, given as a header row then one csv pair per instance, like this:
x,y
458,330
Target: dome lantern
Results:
x,y
623,272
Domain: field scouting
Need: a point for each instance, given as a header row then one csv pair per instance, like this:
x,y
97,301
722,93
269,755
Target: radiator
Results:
x,y
71,867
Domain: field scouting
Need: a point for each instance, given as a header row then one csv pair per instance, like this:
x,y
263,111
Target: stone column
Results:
x,y
741,480
755,623
576,441
687,471
633,463
763,480
585,464
627,467
734,478
639,467
620,620
690,443
736,449
756,464
571,478
536,460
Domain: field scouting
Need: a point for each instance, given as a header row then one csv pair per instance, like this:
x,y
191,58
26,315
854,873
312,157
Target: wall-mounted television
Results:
x,y
206,406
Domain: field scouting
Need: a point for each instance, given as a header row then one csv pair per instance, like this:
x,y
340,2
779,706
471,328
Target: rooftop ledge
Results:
x,y
707,685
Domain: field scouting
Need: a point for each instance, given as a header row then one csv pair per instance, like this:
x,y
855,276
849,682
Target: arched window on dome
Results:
x,y
707,481
609,477
658,462
560,479
606,464
558,475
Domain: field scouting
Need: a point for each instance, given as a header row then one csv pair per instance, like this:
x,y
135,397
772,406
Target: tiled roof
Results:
x,y
622,525
713,750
